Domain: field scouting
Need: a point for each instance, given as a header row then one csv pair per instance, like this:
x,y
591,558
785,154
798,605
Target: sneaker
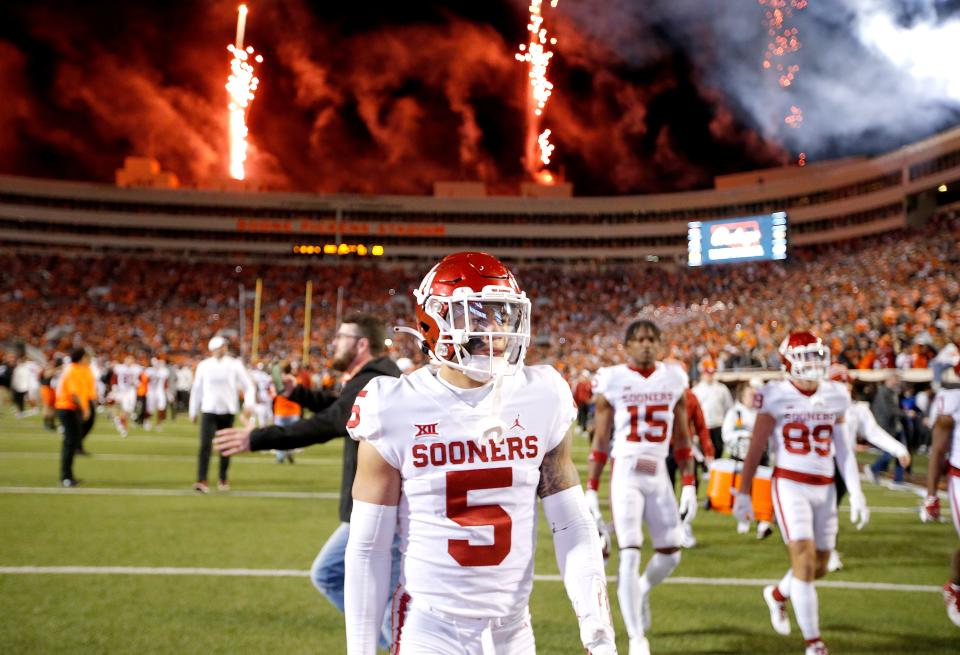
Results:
x,y
69,482
869,474
639,646
778,612
290,457
223,485
743,527
951,596
645,615
764,529
687,540
201,487
816,648
834,563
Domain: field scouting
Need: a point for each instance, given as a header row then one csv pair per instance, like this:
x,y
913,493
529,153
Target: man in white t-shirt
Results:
x,y
454,457
715,400
214,402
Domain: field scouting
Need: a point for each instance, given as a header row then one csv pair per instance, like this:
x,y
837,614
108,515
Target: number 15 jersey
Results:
x,y
643,407
467,517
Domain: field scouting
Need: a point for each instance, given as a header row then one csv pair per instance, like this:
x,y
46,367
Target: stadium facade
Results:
x,y
825,202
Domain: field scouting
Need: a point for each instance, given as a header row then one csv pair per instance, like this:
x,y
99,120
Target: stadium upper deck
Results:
x,y
829,202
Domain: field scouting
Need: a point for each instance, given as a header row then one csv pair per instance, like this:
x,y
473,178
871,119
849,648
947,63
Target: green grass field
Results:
x,y
139,521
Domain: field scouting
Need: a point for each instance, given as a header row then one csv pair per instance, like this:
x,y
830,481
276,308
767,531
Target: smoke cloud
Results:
x,y
650,96
874,74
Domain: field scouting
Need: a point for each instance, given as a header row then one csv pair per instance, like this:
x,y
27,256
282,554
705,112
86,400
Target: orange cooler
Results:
x,y
725,476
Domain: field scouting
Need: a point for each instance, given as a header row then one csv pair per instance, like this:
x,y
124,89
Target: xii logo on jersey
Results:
x,y
426,430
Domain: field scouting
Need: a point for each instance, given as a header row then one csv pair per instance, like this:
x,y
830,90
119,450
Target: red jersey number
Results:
x,y
797,438
656,429
458,484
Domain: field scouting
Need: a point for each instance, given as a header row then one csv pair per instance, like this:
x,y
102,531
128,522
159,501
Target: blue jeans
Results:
x,y
329,568
883,462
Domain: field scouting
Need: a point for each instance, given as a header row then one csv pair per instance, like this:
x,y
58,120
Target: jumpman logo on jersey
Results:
x,y
516,423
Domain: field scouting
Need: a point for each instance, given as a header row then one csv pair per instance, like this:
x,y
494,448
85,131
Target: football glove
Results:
x,y
743,507
859,512
688,503
593,504
930,511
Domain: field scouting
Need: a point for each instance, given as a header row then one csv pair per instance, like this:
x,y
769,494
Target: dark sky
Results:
x,y
383,97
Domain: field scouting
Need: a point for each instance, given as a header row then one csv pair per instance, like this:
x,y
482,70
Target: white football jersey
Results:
x,y
157,377
642,407
468,512
263,381
128,377
947,403
803,437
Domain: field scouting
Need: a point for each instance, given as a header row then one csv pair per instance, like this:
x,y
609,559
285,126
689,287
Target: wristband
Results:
x,y
688,480
597,456
593,484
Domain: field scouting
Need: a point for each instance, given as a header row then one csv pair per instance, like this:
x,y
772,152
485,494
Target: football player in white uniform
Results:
x,y
645,404
802,418
126,379
945,417
158,378
861,423
454,457
266,392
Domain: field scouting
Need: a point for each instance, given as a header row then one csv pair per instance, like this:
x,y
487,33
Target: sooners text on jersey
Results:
x,y
803,436
467,514
643,407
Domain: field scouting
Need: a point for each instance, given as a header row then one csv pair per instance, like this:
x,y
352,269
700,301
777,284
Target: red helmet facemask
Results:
x,y
805,357
473,316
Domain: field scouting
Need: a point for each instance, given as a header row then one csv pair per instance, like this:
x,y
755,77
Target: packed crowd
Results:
x,y
883,302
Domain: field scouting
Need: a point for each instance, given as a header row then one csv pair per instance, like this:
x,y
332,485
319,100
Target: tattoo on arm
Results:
x,y
558,472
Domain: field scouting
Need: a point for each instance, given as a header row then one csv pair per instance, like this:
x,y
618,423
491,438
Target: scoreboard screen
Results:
x,y
730,240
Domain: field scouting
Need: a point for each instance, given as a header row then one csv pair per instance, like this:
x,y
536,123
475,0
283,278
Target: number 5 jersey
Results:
x,y
467,517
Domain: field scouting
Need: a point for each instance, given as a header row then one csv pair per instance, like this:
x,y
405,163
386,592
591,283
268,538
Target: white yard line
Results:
x,y
294,573
101,491
255,458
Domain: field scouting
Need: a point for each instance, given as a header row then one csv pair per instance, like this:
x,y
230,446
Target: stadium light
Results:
x,y
942,188
342,249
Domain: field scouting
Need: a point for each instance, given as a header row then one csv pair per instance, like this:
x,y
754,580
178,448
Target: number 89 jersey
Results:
x,y
803,437
643,407
467,517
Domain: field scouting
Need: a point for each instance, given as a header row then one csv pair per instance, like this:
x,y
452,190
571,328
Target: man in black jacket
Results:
x,y
359,353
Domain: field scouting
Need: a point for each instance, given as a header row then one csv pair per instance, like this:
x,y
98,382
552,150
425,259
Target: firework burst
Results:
x,y
241,87
536,54
781,49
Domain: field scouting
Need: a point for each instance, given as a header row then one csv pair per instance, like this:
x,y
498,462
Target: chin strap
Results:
x,y
424,348
492,427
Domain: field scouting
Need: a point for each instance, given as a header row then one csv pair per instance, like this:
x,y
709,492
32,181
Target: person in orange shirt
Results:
x,y
285,412
73,409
